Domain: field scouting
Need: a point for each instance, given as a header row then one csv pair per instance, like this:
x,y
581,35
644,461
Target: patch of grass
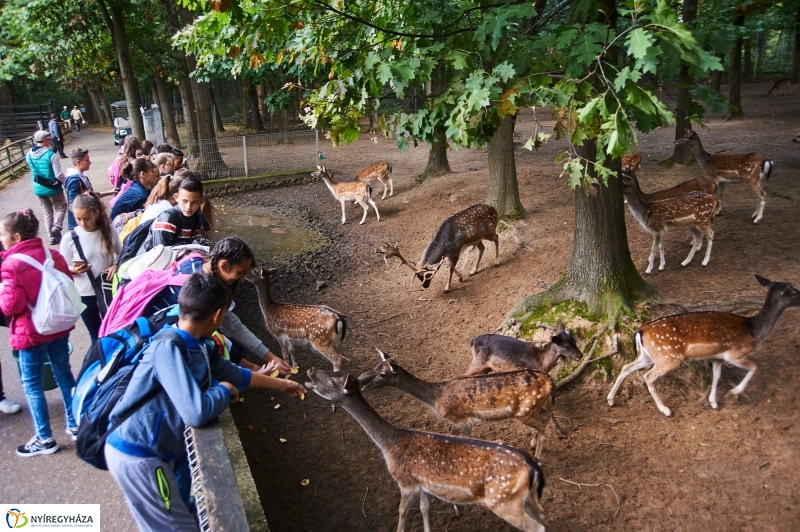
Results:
x,y
564,311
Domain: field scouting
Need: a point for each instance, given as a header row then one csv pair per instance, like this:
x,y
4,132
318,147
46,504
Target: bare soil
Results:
x,y
732,469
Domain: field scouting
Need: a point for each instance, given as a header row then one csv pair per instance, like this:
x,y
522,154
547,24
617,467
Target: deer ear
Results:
x,y
273,271
393,366
763,281
319,167
350,384
383,355
560,327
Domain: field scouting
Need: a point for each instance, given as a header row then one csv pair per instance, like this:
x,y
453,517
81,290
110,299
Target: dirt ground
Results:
x,y
732,469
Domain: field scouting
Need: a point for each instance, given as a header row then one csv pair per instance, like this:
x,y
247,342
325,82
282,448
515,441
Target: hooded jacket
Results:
x,y
45,162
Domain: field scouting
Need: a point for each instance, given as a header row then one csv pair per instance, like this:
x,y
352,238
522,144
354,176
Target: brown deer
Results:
x,y
466,228
498,353
752,169
502,478
631,161
664,343
694,211
526,395
696,184
354,191
382,171
780,86
321,327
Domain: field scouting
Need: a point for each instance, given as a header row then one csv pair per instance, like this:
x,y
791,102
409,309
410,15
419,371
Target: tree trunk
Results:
x,y
167,112
283,115
219,128
106,109
601,273
95,106
129,83
187,100
252,95
503,189
735,89
437,156
747,69
761,44
262,95
793,77
682,154
716,76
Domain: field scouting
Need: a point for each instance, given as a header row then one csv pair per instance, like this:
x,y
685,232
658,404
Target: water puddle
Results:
x,y
272,237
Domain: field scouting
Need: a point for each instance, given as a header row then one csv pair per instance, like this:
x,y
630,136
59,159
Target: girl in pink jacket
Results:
x,y
20,288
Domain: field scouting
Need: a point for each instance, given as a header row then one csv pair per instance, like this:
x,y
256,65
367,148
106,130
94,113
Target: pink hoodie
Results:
x,y
21,287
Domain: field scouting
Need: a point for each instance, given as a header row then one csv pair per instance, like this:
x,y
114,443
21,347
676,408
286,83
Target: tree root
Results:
x,y
588,359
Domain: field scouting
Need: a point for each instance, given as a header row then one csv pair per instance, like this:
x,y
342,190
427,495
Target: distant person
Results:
x,y
147,148
178,160
143,176
77,182
55,133
64,114
47,179
76,116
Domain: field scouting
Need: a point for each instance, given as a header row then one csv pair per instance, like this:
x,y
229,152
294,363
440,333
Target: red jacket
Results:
x,y
21,284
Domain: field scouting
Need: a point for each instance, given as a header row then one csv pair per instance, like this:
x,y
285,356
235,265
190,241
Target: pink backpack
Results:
x,y
125,186
114,170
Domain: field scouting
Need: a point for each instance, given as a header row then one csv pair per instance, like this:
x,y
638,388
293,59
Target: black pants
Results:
x,y
58,144
91,316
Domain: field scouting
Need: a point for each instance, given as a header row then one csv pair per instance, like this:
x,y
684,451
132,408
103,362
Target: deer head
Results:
x,y
565,343
687,138
260,275
331,385
784,294
379,376
322,171
423,272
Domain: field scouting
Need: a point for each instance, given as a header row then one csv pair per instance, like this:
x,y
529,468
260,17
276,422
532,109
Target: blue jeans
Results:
x,y
2,394
31,362
91,316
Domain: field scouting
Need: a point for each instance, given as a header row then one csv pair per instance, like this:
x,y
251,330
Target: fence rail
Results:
x,y
13,154
253,154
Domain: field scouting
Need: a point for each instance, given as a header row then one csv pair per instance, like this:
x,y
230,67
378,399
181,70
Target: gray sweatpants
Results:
x,y
54,209
151,490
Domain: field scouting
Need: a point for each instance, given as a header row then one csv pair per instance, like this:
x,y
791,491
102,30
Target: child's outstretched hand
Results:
x,y
234,391
294,389
281,365
268,368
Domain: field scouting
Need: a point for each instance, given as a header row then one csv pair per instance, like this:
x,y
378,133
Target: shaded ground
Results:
x,y
725,470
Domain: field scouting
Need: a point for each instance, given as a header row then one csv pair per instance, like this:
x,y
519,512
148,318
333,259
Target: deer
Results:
x,y
752,169
354,191
466,228
317,325
664,343
694,211
780,86
382,171
526,395
695,184
498,353
504,479
631,161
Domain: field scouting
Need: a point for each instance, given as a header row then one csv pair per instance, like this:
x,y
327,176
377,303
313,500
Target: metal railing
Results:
x,y
253,154
13,154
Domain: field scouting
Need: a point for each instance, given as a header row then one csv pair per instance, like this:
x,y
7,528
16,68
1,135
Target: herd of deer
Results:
x,y
508,378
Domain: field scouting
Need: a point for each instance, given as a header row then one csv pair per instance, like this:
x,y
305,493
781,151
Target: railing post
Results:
x,y
316,148
244,155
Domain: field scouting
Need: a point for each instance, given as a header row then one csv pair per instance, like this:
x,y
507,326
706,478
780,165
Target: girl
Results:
x,y
127,154
144,176
164,163
20,290
77,182
100,245
162,197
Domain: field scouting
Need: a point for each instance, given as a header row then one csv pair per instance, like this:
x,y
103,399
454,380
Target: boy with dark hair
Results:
x,y
182,223
187,383
163,148
178,159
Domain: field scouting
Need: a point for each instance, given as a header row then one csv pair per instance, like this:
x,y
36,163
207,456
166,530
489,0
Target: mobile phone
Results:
x,y
78,263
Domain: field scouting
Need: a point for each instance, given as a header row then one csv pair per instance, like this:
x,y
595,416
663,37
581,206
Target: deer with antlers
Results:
x,y
466,228
694,211
354,191
664,343
382,171
317,325
752,169
457,470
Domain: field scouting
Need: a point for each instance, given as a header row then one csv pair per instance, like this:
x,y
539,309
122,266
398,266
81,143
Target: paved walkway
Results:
x,y
59,478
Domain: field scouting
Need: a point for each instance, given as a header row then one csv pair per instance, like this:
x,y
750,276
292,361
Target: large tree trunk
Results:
x,y
165,104
255,116
735,89
682,154
437,156
106,109
218,127
262,95
747,68
761,44
796,60
283,114
716,76
503,189
95,107
187,101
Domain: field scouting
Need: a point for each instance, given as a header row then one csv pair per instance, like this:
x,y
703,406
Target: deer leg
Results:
x,y
406,498
555,426
651,377
496,240
391,187
463,429
476,369
719,192
424,508
762,199
480,247
743,363
644,361
385,188
366,209
716,368
344,218
709,241
288,351
331,354
652,254
374,207
697,243
663,258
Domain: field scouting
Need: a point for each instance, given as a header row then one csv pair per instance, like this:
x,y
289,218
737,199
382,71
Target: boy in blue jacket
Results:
x,y
146,453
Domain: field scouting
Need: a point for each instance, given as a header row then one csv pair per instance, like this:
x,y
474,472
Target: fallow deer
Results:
x,y
694,211
466,228
382,171
354,191
780,86
504,479
664,343
631,161
752,169
498,353
695,184
526,395
321,327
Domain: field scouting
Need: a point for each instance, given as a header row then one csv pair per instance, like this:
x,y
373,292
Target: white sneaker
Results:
x,y
7,406
72,432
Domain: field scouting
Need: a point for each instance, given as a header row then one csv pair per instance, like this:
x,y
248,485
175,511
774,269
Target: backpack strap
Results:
x,y
77,241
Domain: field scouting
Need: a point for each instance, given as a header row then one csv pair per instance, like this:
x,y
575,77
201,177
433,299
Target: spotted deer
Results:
x,y
664,343
752,169
526,395
321,327
696,184
354,191
382,171
504,479
694,211
780,86
498,353
466,228
631,161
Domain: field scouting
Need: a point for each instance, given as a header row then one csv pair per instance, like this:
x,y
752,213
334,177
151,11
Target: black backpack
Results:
x,y
133,242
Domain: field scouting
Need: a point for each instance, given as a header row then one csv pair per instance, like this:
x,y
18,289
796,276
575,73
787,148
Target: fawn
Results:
x,y
382,171
348,191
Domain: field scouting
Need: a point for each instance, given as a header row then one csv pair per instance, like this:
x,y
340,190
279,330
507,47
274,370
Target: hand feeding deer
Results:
x,y
466,228
382,171
321,327
752,169
502,478
694,211
664,343
526,395
354,191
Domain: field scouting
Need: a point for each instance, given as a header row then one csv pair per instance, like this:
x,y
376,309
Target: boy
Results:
x,y
146,453
77,182
182,223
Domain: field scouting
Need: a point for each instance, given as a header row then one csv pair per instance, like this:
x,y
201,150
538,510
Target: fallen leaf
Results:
x,y
277,406
241,399
305,482
282,440
249,427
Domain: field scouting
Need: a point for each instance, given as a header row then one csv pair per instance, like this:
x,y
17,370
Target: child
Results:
x,y
77,182
164,163
101,245
21,284
146,453
143,175
182,223
162,197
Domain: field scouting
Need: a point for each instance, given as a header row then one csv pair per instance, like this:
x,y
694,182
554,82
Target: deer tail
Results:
x,y
766,169
532,505
341,327
390,168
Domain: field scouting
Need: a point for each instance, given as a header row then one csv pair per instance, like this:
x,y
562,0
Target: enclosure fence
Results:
x,y
253,155
13,154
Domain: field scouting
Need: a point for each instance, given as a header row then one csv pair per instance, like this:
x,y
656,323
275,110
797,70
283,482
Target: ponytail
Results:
x,y
165,189
132,170
23,222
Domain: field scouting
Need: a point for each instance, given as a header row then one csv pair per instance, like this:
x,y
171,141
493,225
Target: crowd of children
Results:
x,y
188,372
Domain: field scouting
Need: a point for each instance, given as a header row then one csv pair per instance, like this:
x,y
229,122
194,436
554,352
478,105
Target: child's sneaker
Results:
x,y
73,433
36,447
7,406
